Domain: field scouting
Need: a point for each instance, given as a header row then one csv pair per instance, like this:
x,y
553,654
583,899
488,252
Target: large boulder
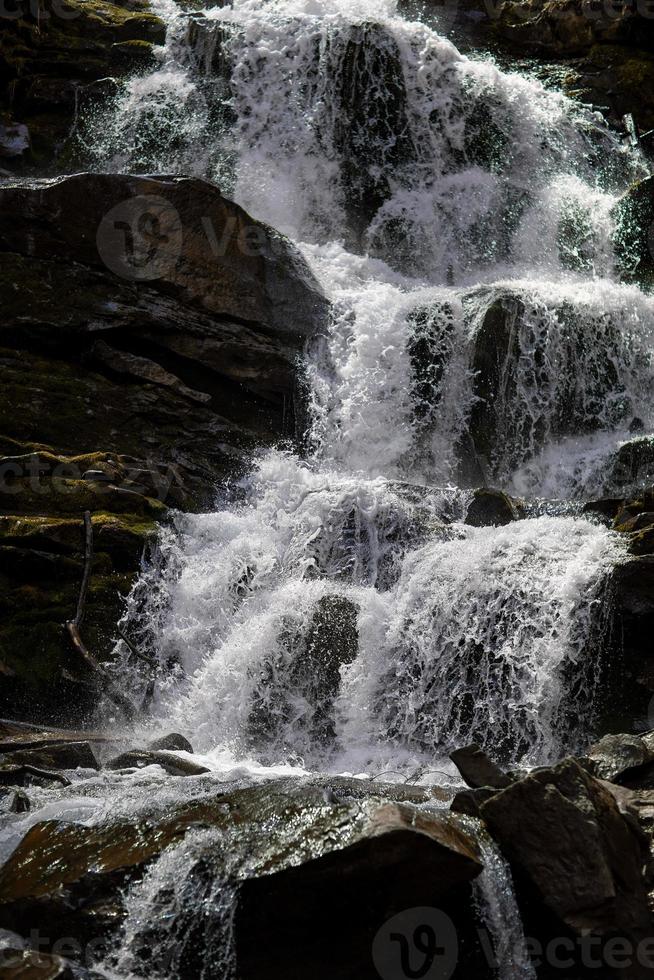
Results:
x,y
312,871
478,770
566,837
622,759
493,508
158,238
149,344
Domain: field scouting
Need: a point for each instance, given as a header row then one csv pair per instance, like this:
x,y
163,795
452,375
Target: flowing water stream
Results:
x,y
338,614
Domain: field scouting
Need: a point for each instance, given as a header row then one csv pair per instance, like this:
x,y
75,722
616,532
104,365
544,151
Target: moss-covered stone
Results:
x,y
53,50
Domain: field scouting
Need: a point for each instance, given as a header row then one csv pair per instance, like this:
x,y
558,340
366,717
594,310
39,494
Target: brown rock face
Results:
x,y
150,342
563,831
313,878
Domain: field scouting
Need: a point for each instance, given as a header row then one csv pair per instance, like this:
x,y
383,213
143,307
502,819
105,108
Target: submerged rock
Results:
x,y
493,508
173,764
67,755
371,132
296,694
634,234
28,964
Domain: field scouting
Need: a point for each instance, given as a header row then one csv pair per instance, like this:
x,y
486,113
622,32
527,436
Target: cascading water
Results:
x,y
461,221
341,616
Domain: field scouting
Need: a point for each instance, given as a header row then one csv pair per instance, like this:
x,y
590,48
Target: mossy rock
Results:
x,y
70,44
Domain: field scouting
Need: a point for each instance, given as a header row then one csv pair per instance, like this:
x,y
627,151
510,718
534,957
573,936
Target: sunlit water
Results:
x,y
339,615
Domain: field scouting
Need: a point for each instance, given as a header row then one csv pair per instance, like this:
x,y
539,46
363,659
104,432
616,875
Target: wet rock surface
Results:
x,y
341,854
492,508
478,770
196,366
53,57
607,51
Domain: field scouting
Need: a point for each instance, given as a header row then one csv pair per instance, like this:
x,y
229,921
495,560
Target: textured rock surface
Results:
x,y
52,56
607,49
149,342
344,861
566,836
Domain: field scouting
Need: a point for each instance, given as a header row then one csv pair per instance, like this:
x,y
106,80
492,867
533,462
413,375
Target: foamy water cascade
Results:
x,y
337,614
444,206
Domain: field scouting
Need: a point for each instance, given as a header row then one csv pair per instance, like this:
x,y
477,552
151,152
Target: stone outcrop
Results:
x,y
56,56
323,859
573,850
493,508
623,759
307,669
149,343
634,235
478,770
607,49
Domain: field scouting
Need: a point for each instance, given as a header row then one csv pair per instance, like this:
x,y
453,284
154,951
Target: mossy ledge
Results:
x,y
51,59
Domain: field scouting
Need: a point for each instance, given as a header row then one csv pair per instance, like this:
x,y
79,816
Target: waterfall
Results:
x,y
340,615
501,917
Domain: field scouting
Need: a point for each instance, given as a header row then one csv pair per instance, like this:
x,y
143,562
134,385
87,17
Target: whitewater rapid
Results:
x,y
423,187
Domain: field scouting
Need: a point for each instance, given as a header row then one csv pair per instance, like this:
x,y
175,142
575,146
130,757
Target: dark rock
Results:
x,y
346,866
201,348
607,507
501,434
495,353
493,508
173,764
171,743
252,273
17,736
469,801
24,774
27,964
20,802
606,50
628,630
307,667
562,830
51,52
634,234
478,770
617,755
68,755
370,117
